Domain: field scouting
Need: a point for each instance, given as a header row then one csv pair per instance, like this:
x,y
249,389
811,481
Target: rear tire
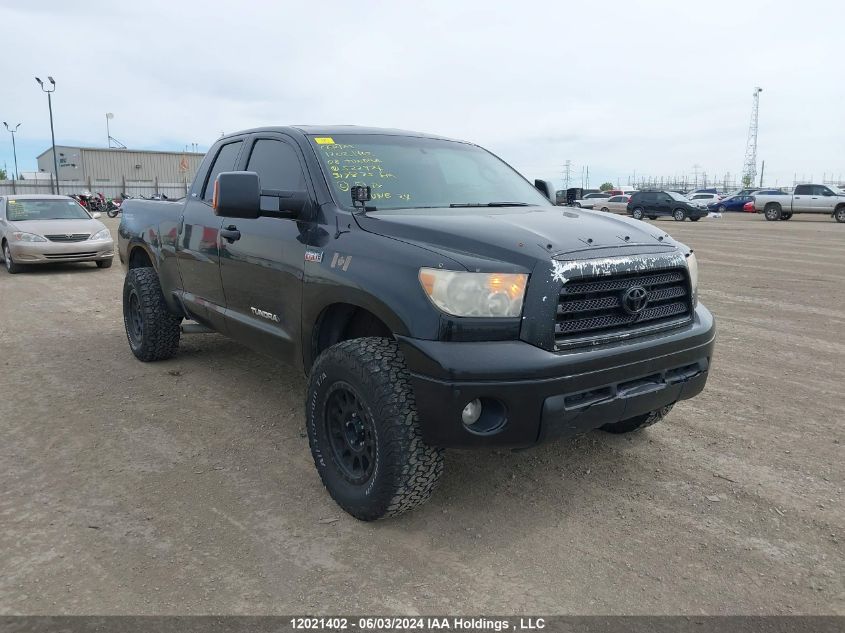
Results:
x,y
638,213
104,263
152,330
362,425
11,267
839,214
652,217
695,219
679,215
605,209
785,216
638,422
772,212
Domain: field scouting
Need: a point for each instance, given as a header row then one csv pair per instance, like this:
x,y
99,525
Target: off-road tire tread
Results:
x,y
161,326
638,422
413,468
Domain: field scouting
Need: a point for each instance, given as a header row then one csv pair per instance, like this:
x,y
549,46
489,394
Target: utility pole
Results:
x,y
749,170
695,169
762,169
52,132
14,148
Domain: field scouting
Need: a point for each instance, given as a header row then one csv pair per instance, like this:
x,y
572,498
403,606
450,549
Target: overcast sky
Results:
x,y
653,88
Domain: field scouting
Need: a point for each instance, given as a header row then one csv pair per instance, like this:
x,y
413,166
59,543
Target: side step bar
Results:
x,y
195,328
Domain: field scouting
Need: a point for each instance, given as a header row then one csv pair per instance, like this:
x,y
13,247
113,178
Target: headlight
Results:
x,y
28,237
692,265
475,294
101,235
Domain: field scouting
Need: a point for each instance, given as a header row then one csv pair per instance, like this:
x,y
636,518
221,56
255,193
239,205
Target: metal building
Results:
x,y
95,167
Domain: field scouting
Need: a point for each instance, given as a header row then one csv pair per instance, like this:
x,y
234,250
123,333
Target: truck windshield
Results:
x,y
412,172
23,209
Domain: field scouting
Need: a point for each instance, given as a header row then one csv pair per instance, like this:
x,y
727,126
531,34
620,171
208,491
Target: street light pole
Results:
x,y
109,116
52,132
14,149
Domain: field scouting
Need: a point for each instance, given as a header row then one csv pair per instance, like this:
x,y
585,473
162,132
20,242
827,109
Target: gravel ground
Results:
x,y
187,486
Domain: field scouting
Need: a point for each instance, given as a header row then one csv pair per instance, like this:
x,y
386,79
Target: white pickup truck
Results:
x,y
804,199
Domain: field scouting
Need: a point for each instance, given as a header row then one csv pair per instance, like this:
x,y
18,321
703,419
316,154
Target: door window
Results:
x,y
277,165
225,161
803,190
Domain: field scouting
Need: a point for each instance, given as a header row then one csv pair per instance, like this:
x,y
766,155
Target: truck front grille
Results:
x,y
74,237
593,308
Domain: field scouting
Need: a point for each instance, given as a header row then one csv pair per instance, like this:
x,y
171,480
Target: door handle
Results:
x,y
230,233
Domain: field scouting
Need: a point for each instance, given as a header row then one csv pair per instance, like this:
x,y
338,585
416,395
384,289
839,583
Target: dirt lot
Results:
x,y
187,486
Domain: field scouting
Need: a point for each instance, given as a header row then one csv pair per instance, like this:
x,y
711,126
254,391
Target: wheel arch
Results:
x,y
345,318
139,256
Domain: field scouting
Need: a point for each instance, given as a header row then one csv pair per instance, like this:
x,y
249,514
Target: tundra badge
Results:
x,y
264,314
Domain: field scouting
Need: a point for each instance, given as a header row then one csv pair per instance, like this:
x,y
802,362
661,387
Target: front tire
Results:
x,y
679,215
363,430
695,219
721,208
152,330
638,422
638,213
11,267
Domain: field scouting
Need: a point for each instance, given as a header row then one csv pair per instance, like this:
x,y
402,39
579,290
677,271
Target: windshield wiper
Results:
x,y
455,205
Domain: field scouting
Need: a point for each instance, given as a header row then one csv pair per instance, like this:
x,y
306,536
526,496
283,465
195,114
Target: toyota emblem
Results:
x,y
635,299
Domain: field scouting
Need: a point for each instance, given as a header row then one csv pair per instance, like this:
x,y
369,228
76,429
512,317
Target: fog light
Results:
x,y
471,412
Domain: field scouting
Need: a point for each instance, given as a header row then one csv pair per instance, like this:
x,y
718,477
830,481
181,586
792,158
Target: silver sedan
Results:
x,y
44,229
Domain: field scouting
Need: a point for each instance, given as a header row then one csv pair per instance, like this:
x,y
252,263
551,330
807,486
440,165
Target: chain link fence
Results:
x,y
110,189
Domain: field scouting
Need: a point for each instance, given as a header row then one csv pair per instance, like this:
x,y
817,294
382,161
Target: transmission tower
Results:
x,y
567,174
749,170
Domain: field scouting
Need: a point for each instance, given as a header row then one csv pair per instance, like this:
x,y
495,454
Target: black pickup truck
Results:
x,y
434,297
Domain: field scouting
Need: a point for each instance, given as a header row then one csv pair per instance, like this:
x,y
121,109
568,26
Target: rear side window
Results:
x,y
225,161
803,190
649,197
277,165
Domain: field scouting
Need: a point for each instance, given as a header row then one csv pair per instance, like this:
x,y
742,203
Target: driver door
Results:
x,y
262,268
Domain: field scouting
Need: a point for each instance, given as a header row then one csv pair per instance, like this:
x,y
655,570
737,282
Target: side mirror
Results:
x,y
96,215
546,188
237,194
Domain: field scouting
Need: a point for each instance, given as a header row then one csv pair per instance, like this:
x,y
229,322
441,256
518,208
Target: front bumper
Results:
x,y
52,252
554,394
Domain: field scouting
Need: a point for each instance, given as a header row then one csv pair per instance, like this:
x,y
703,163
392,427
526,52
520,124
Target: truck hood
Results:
x,y
480,238
57,227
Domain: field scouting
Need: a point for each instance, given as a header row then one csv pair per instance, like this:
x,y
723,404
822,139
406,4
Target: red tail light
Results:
x,y
748,206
